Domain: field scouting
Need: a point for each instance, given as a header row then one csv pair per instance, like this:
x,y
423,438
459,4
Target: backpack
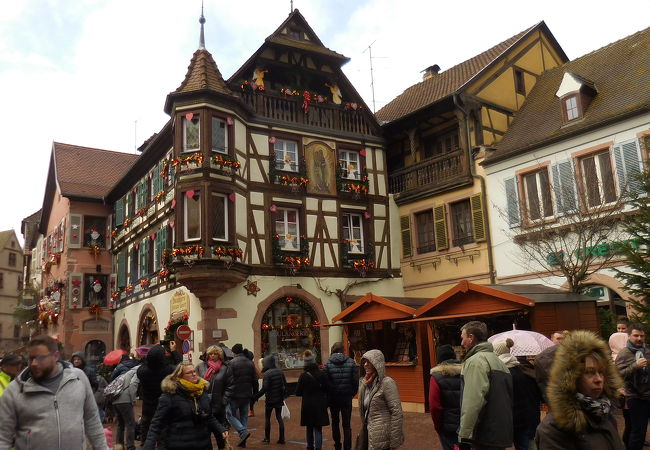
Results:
x,y
115,387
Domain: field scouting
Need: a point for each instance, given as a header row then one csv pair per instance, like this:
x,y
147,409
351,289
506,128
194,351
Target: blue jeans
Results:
x,y
314,437
237,414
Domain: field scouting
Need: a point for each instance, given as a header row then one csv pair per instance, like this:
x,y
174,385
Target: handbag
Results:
x,y
285,414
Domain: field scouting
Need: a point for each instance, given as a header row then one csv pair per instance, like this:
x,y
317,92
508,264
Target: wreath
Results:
x,y
172,325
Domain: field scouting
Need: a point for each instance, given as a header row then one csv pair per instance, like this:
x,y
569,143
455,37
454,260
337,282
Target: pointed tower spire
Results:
x,y
202,38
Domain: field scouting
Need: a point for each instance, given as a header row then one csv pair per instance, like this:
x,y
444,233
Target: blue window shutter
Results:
x,y
512,199
565,187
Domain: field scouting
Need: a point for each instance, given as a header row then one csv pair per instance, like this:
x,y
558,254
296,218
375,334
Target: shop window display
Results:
x,y
289,327
396,341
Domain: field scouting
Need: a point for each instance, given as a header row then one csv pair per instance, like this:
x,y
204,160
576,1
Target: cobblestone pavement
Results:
x,y
419,433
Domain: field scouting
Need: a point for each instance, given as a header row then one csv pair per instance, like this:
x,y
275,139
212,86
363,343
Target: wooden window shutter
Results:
x,y
75,233
564,186
113,284
121,269
75,290
155,183
628,167
405,227
478,217
60,233
512,199
119,211
440,225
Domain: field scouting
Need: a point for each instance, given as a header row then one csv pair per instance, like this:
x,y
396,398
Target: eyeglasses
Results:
x,y
40,358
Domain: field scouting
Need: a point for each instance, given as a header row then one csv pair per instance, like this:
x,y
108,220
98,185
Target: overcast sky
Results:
x,y
83,72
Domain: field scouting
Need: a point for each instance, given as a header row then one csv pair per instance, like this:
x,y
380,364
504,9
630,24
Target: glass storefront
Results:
x,y
289,327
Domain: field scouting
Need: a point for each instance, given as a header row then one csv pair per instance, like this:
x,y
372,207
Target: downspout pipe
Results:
x,y
481,179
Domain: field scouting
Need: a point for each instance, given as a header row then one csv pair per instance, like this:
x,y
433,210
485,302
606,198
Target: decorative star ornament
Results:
x,y
251,288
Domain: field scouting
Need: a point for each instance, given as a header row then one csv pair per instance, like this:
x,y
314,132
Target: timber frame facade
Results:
x,y
277,180
436,133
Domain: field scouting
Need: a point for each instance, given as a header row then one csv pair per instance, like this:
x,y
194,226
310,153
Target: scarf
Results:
x,y
370,378
213,367
508,360
594,407
193,389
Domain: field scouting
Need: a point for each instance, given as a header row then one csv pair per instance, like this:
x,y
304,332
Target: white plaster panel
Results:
x,y
311,224
332,224
369,153
379,210
261,144
258,217
317,257
312,203
255,171
381,178
240,135
241,214
329,205
257,198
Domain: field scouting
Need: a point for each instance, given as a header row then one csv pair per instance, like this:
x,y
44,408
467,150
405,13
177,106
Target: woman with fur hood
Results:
x,y
582,386
379,405
184,412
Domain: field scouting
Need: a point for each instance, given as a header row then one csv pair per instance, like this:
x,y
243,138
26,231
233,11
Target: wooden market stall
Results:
x,y
371,323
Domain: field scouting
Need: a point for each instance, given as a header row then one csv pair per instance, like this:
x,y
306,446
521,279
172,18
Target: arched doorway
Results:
x,y
607,298
148,328
124,338
289,327
95,352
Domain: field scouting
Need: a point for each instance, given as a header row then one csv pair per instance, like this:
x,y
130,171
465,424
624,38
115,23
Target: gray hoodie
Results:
x,y
40,419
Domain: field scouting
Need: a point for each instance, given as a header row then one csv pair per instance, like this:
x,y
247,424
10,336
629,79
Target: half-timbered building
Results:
x,y
436,134
259,205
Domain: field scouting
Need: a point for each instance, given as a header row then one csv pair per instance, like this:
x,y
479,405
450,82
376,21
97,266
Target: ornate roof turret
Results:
x,y
202,73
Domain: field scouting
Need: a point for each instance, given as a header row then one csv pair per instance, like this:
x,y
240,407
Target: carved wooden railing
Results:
x,y
439,170
322,115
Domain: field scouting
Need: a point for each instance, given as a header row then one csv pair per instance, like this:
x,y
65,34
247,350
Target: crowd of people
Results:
x,y
481,396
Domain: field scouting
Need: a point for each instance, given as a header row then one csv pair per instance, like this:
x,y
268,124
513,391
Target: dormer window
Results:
x,y
296,35
571,108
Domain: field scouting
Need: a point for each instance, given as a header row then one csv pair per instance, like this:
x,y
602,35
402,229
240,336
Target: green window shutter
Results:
x,y
144,257
155,183
478,217
405,227
119,211
440,225
121,269
109,232
75,231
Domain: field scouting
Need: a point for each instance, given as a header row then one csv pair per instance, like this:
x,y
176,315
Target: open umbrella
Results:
x,y
143,350
113,357
527,343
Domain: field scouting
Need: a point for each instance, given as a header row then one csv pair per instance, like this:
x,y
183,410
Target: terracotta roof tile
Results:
x,y
443,84
89,172
620,73
203,73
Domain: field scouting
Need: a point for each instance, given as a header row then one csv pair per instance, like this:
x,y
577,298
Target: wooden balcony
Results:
x,y
279,107
431,174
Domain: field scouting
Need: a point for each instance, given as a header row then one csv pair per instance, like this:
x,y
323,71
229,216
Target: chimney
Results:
x,y
430,72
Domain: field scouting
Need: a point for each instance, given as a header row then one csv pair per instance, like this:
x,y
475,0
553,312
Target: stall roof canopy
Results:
x,y
542,294
413,302
471,299
370,308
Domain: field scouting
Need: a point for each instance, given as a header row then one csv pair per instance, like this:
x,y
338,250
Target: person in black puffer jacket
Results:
x,y
126,364
151,373
184,411
312,387
78,360
274,387
214,371
239,391
342,384
444,396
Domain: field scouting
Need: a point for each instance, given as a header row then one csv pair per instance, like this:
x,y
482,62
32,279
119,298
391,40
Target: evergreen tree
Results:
x,y
636,251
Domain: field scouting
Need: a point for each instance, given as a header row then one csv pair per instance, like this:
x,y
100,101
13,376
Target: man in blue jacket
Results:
x,y
342,384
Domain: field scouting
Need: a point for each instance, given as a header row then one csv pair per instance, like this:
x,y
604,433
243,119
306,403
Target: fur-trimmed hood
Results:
x,y
568,366
171,385
450,368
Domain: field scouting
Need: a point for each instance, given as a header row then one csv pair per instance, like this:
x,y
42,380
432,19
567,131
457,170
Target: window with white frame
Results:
x,y
571,107
287,229
286,155
349,164
353,232
219,136
598,179
192,216
220,211
191,133
537,188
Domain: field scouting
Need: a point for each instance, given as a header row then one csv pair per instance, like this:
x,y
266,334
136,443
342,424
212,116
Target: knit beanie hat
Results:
x,y
503,347
308,357
445,352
